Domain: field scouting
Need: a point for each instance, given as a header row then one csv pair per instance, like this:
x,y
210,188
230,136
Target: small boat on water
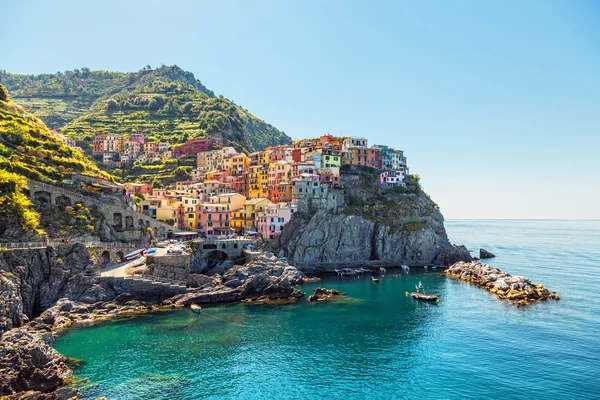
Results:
x,y
196,308
423,296
405,267
375,280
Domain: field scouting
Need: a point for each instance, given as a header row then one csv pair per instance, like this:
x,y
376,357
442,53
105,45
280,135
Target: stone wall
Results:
x,y
125,224
171,267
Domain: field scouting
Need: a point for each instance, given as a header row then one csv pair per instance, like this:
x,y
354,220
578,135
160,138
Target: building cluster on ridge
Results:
x,y
232,192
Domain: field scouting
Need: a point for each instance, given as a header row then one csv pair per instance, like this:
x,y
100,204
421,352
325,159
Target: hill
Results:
x,y
167,103
29,150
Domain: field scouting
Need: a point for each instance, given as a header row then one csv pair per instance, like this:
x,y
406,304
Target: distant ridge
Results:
x,y
167,103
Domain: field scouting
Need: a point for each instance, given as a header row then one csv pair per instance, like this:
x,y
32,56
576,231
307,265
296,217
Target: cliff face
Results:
x,y
401,226
32,280
338,237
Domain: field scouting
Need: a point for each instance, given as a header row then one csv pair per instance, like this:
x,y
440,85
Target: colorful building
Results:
x,y
276,216
195,146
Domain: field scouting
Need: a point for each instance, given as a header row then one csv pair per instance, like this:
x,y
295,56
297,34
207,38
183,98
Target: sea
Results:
x,y
376,342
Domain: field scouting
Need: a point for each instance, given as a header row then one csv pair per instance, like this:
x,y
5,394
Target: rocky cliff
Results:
x,y
400,226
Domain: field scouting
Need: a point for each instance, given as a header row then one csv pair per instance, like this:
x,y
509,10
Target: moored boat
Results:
x,y
196,308
423,296
375,280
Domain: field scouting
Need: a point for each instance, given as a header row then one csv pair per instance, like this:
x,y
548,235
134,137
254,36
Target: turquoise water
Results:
x,y
379,344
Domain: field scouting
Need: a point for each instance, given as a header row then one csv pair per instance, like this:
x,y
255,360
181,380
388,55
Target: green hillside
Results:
x,y
167,103
28,148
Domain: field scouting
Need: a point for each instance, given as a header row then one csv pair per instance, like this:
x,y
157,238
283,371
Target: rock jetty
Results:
x,y
483,253
322,294
516,289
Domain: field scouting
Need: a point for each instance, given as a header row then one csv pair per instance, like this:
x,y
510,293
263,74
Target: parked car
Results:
x,y
161,244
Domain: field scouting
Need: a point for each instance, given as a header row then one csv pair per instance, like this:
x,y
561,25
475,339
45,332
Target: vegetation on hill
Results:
x,y
399,207
28,148
167,103
15,205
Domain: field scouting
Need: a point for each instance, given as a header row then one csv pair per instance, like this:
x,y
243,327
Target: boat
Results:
x,y
405,267
363,271
375,280
433,267
423,296
196,308
348,272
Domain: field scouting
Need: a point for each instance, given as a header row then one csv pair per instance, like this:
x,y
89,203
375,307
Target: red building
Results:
x,y
297,155
195,146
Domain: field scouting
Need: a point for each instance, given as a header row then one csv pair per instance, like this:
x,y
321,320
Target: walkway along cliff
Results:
x,y
363,224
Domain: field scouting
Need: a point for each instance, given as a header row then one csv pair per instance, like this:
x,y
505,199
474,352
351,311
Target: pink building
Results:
x,y
391,178
213,219
137,137
271,222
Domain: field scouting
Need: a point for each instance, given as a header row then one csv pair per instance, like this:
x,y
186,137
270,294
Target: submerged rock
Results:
x,y
483,253
517,289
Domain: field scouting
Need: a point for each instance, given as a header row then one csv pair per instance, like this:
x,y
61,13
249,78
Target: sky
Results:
x,y
495,104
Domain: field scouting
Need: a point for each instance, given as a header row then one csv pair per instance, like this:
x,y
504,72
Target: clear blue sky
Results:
x,y
496,104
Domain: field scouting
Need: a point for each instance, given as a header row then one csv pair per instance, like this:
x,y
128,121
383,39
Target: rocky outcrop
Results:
x,y
266,277
33,280
483,253
338,237
322,294
28,362
455,254
516,289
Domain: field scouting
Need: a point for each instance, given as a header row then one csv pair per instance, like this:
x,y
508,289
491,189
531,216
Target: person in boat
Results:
x,y
419,287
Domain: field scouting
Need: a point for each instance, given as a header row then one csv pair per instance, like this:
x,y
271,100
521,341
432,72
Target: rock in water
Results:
x,y
483,253
322,294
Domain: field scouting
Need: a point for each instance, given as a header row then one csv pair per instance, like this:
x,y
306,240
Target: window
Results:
x,y
191,216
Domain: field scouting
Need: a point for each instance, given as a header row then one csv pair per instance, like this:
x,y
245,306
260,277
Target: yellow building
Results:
x,y
168,214
278,172
120,143
189,209
258,181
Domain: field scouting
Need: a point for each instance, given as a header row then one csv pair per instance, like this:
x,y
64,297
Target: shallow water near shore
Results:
x,y
379,344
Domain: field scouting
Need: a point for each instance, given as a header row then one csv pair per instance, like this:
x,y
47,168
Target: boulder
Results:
x,y
483,253
453,255
322,294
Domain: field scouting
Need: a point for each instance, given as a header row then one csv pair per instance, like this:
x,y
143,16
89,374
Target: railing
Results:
x,y
25,245
43,245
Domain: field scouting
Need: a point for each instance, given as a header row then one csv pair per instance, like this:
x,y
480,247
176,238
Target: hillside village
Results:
x,y
230,192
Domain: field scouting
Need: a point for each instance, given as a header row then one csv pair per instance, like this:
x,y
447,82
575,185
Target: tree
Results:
x,y
187,107
112,104
3,93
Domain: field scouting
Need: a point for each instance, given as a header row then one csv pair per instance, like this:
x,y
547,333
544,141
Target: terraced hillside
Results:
x,y
167,103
